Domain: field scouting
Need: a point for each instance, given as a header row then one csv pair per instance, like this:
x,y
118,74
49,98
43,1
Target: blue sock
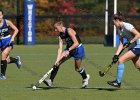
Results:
x,y
120,72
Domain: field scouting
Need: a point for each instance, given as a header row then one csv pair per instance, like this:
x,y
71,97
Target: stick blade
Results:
x,y
101,74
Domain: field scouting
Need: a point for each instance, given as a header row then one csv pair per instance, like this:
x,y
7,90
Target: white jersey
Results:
x,y
125,32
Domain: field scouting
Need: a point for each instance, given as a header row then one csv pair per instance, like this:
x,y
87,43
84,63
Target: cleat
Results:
x,y
2,76
85,81
114,83
18,62
48,82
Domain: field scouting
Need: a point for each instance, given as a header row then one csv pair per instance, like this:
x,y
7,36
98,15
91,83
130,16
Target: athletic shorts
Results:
x,y
4,42
78,52
136,51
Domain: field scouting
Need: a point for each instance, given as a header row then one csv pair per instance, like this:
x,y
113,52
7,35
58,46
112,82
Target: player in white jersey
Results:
x,y
128,31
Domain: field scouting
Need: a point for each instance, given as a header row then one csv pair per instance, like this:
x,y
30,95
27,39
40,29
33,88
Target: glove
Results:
x,y
126,45
115,58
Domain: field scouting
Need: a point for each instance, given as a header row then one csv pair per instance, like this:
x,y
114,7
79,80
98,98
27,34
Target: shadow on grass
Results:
x,y
94,88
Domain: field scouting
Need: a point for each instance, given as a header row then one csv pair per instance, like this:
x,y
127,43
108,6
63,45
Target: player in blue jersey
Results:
x,y
74,48
6,44
128,31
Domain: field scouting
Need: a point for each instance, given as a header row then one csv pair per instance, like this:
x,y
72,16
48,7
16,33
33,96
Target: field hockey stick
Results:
x,y
34,87
102,73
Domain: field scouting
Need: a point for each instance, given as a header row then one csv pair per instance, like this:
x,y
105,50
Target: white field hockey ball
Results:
x,y
34,87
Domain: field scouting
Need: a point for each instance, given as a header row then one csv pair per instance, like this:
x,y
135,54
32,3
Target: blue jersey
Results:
x,y
78,52
4,29
65,37
5,36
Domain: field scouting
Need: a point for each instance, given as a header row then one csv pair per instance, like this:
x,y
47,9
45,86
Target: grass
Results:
x,y
38,59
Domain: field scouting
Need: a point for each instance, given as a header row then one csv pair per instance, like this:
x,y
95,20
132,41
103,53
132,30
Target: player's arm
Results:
x,y
120,47
59,52
9,23
137,35
72,33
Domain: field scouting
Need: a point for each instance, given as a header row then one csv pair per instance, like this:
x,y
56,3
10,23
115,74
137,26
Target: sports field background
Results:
x,y
38,59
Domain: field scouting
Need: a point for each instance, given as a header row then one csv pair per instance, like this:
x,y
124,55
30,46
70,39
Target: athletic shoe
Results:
x,y
2,76
18,62
48,82
85,81
114,83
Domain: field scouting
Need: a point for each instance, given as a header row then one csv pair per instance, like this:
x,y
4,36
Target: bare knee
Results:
x,y
3,56
120,61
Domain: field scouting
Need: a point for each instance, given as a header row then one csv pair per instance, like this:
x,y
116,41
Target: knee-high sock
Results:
x,y
12,60
83,73
120,72
3,66
54,72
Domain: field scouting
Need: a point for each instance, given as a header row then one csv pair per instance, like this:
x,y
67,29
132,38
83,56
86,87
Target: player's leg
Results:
x,y
48,82
56,67
4,55
126,57
82,72
79,55
136,60
15,60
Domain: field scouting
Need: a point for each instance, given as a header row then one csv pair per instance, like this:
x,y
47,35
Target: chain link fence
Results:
x,y
90,26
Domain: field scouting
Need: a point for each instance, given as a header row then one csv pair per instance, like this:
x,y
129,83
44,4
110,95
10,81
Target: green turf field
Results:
x,y
39,59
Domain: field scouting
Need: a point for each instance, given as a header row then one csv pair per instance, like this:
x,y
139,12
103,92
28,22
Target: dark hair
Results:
x,y
59,23
118,16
